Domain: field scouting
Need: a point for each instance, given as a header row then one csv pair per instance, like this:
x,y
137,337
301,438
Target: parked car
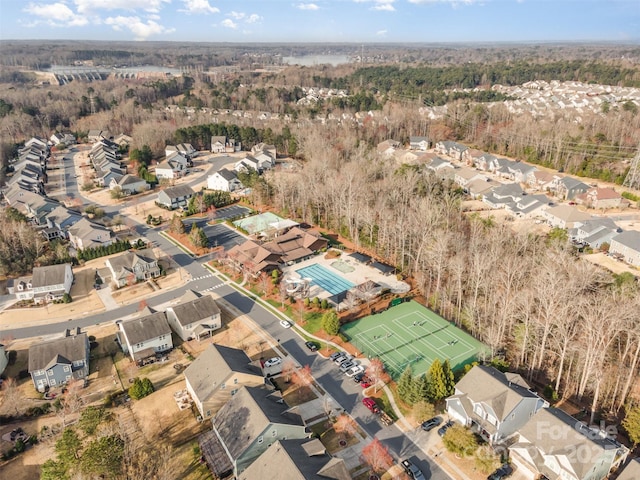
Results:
x,y
412,470
358,377
354,370
347,358
311,346
285,324
431,423
504,471
366,383
339,359
443,429
335,355
371,404
345,366
272,362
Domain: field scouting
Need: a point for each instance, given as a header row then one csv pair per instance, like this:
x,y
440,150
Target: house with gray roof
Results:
x,y
463,176
568,188
133,266
556,445
59,220
595,232
452,149
174,197
55,362
218,144
529,206
439,163
504,194
129,184
419,143
246,426
4,358
218,372
87,234
300,459
480,187
143,337
626,245
195,316
46,284
224,180
493,403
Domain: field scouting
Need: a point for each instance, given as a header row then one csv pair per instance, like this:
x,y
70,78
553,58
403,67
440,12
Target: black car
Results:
x,y
412,470
431,423
443,429
504,471
311,346
358,377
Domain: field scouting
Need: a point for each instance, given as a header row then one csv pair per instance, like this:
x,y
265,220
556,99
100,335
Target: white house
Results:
x,y
195,316
225,180
143,337
46,284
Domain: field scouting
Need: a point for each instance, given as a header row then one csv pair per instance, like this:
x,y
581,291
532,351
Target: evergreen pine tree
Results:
x,y
449,378
437,382
405,385
420,389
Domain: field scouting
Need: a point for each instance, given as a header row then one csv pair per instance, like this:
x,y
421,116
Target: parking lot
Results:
x,y
231,211
220,235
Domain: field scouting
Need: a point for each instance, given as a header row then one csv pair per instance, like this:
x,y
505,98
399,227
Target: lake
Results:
x,y
310,60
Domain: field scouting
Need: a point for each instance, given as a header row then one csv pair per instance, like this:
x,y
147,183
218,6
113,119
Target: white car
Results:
x,y
272,362
285,324
354,370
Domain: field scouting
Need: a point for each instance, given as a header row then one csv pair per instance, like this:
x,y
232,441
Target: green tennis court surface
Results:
x,y
411,334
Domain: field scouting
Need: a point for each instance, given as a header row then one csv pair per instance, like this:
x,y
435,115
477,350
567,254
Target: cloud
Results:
x,y
55,14
381,33
453,3
91,6
227,22
139,28
307,6
253,18
236,15
380,5
198,7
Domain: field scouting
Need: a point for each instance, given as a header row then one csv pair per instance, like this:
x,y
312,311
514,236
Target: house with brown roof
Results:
x,y
540,180
493,403
133,266
217,374
558,446
195,316
565,216
600,198
387,148
55,362
251,421
292,247
631,471
300,459
143,337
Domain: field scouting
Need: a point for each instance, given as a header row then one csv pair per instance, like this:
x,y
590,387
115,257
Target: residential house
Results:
x,y
123,140
451,149
4,358
484,162
540,180
224,180
387,148
143,337
292,247
95,135
57,138
59,221
300,459
219,144
175,197
438,164
46,284
108,173
520,171
86,234
132,266
216,373
529,206
265,161
38,142
470,156
129,184
600,198
265,148
195,316
246,426
419,143
565,216
185,149
404,156
595,232
503,194
631,471
174,166
556,445
56,362
465,175
480,187
568,187
249,162
493,403
626,245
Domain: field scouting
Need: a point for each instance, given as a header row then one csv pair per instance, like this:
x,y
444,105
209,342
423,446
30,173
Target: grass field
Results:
x,y
411,334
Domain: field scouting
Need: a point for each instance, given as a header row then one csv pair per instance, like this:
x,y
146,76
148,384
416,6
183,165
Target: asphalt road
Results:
x,y
346,393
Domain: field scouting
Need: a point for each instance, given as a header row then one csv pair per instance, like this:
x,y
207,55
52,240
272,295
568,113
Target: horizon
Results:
x,y
384,22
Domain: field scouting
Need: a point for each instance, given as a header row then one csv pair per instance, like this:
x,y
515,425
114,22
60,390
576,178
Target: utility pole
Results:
x,y
632,180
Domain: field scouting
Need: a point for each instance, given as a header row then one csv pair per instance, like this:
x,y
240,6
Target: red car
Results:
x,y
365,383
371,404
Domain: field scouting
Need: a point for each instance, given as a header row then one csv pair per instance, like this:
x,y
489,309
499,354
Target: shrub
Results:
x,y
324,304
460,441
550,393
66,298
141,388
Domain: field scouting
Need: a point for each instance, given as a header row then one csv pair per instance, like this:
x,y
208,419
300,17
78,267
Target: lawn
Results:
x,y
331,439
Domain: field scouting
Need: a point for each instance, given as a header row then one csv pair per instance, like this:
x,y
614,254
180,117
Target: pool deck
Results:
x,y
361,273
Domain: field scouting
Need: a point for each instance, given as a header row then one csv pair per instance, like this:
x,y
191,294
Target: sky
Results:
x,y
370,21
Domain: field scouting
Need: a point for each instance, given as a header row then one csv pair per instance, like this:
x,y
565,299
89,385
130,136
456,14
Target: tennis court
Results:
x,y
325,279
411,334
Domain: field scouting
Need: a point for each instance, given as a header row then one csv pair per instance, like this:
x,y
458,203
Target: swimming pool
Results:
x,y
325,279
